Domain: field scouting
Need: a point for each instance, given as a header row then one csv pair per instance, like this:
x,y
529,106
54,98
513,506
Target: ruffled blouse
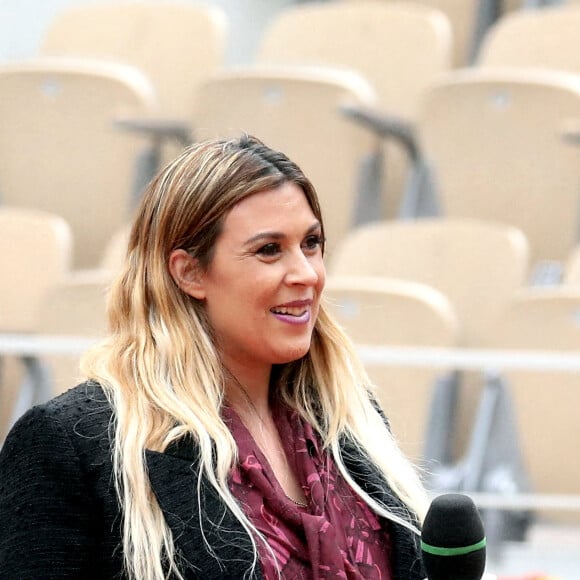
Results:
x,y
335,536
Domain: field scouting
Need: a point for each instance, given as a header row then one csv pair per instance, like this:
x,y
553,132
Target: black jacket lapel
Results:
x,y
174,480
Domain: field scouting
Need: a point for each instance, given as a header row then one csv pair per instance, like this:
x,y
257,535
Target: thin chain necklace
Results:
x,y
254,410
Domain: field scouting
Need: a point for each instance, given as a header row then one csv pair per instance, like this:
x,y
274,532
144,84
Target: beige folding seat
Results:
x,y
545,402
75,307
463,16
175,44
389,312
477,265
35,254
298,112
400,48
543,38
495,140
59,149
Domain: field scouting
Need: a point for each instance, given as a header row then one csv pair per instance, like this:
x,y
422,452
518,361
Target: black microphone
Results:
x,y
453,539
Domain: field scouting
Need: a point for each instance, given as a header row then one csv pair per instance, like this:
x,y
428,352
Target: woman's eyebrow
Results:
x,y
278,235
264,236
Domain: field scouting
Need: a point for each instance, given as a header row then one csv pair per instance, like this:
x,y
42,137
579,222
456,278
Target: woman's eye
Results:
x,y
268,250
313,242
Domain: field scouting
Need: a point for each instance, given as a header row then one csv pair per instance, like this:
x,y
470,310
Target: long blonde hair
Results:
x,y
162,374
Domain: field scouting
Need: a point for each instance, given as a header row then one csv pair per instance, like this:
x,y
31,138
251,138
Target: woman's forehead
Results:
x,y
282,207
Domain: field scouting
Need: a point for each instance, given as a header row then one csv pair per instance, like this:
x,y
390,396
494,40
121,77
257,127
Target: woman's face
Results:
x,y
262,288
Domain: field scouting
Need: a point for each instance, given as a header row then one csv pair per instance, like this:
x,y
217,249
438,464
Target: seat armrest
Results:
x,y
385,126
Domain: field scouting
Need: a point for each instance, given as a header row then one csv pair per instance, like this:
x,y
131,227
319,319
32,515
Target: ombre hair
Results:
x,y
162,374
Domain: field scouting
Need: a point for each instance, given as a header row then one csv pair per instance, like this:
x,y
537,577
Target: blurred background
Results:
x,y
443,137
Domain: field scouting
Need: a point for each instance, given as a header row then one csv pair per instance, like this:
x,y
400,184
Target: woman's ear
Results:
x,y
187,273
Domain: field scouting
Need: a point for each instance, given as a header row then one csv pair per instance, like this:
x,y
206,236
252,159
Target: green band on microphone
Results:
x,y
437,551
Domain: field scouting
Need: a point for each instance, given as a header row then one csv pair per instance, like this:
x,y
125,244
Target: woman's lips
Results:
x,y
293,318
297,312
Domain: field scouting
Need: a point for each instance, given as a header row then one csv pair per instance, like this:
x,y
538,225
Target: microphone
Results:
x,y
453,539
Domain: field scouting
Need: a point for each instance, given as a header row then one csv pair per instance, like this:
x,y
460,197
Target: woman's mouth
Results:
x,y
292,314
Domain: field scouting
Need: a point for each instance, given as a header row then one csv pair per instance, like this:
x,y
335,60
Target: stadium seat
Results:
x,y
389,312
60,151
74,307
298,112
463,16
545,38
399,48
35,254
496,143
175,44
545,401
477,265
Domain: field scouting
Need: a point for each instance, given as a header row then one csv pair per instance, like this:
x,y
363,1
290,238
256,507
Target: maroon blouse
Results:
x,y
336,536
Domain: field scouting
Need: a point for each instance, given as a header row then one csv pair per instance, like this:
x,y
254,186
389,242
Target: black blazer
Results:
x,y
60,517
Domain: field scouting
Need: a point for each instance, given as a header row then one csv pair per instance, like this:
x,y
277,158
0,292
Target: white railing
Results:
x,y
470,359
33,346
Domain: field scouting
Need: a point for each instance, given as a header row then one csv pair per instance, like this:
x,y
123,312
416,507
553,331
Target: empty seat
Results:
x,y
389,312
465,19
495,142
35,254
545,401
477,265
298,112
75,307
399,48
544,38
175,44
60,151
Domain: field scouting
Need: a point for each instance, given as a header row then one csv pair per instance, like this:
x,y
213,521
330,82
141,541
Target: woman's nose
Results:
x,y
302,270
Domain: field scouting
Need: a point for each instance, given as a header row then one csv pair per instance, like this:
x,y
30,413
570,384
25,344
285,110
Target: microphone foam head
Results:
x,y
453,539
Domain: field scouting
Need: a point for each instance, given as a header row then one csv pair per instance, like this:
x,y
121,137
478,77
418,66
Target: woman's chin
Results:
x,y
291,354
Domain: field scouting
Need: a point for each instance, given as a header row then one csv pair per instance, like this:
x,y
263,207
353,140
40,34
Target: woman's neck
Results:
x,y
248,390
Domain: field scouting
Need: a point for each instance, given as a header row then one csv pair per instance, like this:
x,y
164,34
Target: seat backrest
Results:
x,y
477,265
296,111
399,48
390,312
35,253
546,402
175,44
494,139
462,15
543,38
76,307
59,149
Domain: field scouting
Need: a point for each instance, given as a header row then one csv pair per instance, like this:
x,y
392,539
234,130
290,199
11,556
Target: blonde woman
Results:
x,y
226,428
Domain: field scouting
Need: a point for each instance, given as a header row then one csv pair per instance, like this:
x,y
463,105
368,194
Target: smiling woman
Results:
x,y
227,428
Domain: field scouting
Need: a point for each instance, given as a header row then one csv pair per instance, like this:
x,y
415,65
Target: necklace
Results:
x,y
254,410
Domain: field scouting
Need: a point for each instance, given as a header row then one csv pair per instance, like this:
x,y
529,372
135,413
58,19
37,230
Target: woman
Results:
x,y
227,429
